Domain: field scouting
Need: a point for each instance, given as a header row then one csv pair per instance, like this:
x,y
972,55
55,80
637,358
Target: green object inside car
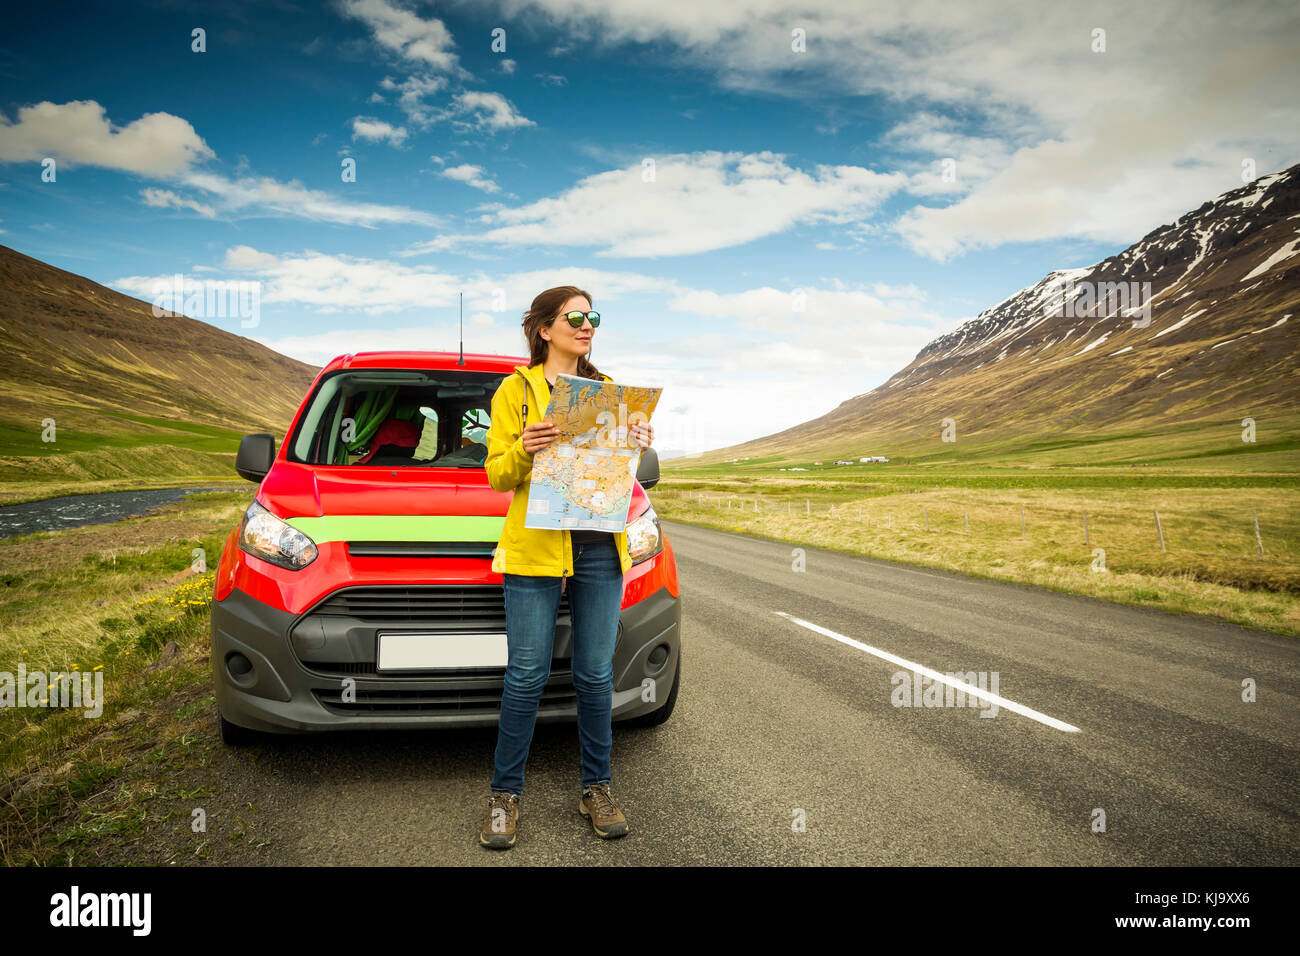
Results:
x,y
367,416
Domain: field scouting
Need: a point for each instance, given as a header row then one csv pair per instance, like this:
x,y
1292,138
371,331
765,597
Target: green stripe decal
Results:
x,y
401,527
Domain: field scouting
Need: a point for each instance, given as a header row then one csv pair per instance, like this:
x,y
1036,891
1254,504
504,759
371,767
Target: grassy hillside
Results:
x,y
136,400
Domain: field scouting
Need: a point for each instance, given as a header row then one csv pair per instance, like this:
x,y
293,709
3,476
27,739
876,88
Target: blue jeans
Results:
x,y
532,603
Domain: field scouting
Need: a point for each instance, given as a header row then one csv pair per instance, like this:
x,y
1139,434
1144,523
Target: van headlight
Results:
x,y
264,535
644,539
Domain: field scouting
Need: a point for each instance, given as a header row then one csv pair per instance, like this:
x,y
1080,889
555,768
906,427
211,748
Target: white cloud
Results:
x,y
469,110
79,132
697,202
472,176
376,130
403,32
1066,189
840,328
942,159
167,147
487,111
429,46
260,195
412,93
329,284
248,259
479,110
1055,139
165,198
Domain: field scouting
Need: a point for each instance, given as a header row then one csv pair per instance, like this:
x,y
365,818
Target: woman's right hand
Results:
x,y
538,435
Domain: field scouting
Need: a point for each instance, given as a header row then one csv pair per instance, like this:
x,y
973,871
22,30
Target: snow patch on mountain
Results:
x,y
1092,345
1261,187
1180,323
1286,252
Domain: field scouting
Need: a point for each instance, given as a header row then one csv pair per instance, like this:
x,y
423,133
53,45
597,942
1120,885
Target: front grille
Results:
x,y
421,549
479,695
451,607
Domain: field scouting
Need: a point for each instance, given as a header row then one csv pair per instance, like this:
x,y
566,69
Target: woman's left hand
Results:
x,y
643,434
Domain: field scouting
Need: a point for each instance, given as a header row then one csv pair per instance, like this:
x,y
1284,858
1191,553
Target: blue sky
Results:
x,y
797,243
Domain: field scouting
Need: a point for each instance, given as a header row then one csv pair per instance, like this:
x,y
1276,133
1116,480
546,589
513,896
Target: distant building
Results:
x,y
842,461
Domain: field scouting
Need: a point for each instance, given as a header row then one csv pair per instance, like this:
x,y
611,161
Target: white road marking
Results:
x,y
934,675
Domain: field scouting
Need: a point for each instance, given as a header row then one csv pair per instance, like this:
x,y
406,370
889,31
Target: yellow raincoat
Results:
x,y
520,550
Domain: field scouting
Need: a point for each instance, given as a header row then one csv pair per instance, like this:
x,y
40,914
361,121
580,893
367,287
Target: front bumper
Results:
x,y
286,673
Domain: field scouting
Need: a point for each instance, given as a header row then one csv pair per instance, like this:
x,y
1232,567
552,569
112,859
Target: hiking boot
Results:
x,y
500,824
598,806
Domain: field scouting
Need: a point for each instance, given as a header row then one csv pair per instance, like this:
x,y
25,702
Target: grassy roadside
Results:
x,y
1210,563
124,601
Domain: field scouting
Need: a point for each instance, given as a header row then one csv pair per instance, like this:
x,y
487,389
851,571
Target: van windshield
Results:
x,y
416,418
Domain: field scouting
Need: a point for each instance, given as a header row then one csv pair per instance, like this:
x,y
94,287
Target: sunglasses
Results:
x,y
575,319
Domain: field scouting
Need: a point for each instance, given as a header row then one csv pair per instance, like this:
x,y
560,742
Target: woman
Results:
x,y
536,564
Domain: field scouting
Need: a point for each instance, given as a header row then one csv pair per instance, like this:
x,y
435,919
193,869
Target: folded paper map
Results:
x,y
584,478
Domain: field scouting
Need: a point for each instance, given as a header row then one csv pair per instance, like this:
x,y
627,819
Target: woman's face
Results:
x,y
565,337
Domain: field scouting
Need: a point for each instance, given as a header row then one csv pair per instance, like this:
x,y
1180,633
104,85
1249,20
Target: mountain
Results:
x,y
113,377
1208,336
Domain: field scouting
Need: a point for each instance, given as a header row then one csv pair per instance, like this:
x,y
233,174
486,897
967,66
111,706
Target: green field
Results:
x,y
1084,530
98,452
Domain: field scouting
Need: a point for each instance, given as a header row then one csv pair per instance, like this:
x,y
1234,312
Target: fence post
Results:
x,y
1160,531
1259,542
807,508
966,514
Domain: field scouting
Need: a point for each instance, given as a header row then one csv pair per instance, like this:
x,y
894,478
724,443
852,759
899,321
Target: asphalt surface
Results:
x,y
786,746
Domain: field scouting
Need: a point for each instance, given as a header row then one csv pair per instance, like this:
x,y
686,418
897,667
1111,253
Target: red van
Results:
x,y
357,591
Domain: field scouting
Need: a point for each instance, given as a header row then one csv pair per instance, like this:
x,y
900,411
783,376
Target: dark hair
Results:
x,y
544,311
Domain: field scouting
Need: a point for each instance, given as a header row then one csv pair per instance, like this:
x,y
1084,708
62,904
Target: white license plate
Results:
x,y
411,651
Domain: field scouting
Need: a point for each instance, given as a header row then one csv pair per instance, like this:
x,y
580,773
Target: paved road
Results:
x,y
777,721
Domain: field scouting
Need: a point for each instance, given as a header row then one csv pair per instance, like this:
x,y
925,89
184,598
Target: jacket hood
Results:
x,y
537,378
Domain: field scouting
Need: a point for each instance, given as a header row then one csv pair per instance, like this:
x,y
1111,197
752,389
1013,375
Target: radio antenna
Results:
x,y
462,329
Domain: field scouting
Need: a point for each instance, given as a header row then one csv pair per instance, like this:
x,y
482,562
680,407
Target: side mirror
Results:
x,y
647,469
256,455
